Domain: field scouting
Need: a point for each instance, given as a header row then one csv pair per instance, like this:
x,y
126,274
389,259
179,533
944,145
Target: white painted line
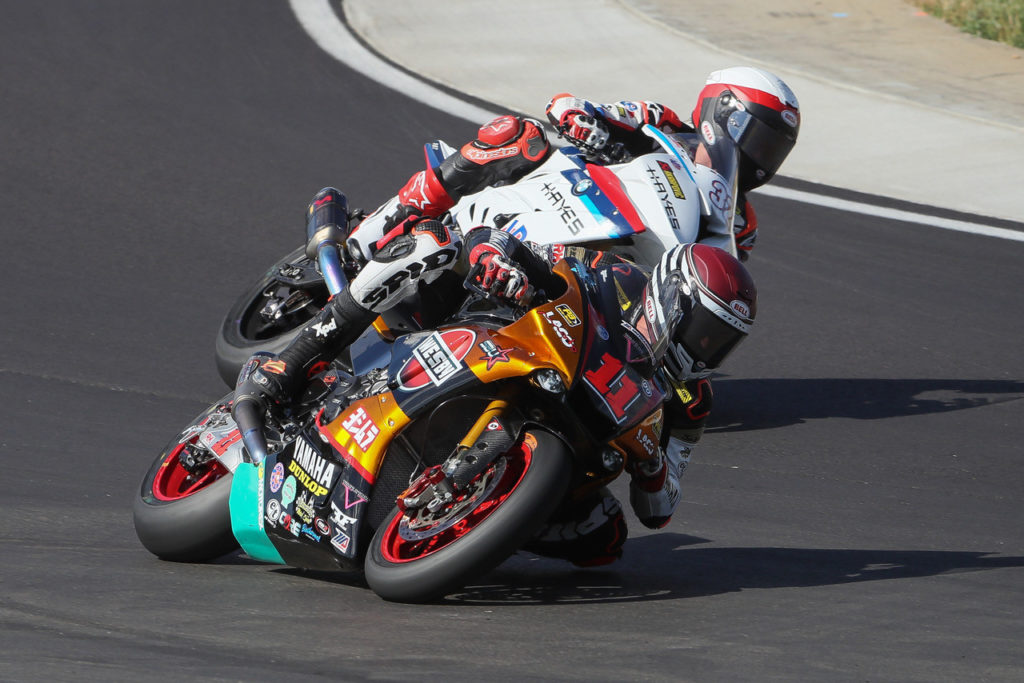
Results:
x,y
892,214
334,38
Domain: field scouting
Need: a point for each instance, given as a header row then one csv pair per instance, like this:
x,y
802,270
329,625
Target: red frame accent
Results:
x,y
170,478
610,184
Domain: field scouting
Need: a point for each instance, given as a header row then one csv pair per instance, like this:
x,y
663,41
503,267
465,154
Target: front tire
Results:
x,y
182,514
421,560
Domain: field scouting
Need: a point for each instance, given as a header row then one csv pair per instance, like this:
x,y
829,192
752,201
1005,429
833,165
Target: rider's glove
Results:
x,y
578,121
263,380
744,228
496,274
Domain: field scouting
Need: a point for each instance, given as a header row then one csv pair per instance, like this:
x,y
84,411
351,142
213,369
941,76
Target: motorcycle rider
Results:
x,y
686,316
754,108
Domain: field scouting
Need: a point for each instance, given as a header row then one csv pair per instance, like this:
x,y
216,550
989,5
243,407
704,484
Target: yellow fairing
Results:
x,y
550,335
364,431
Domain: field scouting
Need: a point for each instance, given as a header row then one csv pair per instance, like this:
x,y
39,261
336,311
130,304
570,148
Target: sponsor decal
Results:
x,y
708,132
602,333
341,542
321,527
312,470
625,303
720,195
494,426
288,491
413,271
483,155
740,307
645,387
673,182
582,187
308,531
436,359
273,511
276,478
361,428
568,315
352,497
663,189
276,367
650,310
304,506
323,329
790,117
493,354
645,441
565,210
564,335
340,520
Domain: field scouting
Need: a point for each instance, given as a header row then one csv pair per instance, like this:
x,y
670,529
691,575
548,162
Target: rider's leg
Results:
x,y
504,150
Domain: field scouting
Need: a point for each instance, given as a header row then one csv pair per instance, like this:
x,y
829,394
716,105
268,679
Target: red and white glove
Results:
x,y
577,120
497,275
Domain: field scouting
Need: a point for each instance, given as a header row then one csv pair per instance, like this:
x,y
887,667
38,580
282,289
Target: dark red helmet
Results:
x,y
758,111
699,305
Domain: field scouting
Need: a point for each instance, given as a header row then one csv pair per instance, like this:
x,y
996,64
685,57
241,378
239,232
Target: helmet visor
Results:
x,y
707,338
765,146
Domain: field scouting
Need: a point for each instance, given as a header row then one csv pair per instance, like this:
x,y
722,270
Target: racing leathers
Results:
x,y
510,147
586,532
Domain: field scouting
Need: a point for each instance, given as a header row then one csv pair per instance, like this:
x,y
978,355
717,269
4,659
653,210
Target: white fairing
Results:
x,y
567,201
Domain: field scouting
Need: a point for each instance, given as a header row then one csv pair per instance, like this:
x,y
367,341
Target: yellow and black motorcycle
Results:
x,y
429,471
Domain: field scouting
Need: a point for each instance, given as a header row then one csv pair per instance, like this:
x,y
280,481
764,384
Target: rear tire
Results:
x,y
184,520
243,333
421,565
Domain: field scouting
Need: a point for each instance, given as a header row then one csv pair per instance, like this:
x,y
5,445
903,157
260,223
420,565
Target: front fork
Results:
x,y
439,485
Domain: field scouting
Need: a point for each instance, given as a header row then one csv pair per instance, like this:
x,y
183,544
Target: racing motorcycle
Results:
x,y
430,469
639,208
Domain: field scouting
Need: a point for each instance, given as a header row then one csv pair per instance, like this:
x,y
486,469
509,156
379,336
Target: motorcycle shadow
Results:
x,y
752,404
664,567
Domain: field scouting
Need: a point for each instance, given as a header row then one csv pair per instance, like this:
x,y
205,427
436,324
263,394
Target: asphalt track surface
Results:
x,y
854,512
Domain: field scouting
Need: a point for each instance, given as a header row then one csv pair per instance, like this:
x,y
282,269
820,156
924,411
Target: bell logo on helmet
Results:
x,y
790,117
708,132
740,307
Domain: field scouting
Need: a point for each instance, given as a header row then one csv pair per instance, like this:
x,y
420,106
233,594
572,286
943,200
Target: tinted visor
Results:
x,y
765,146
708,338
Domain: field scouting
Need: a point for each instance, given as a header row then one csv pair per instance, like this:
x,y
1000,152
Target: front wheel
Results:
x,y
181,512
425,556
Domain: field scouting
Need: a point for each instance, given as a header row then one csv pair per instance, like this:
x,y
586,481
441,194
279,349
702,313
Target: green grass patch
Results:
x,y
1001,20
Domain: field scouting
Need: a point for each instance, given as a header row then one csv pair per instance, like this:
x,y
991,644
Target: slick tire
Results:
x,y
235,344
396,573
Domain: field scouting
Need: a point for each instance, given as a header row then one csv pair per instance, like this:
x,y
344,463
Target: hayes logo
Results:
x,y
436,359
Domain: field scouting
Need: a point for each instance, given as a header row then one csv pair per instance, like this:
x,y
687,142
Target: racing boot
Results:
x,y
654,486
423,196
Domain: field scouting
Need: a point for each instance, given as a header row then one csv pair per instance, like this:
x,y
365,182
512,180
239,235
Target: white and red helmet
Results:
x,y
758,111
699,305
